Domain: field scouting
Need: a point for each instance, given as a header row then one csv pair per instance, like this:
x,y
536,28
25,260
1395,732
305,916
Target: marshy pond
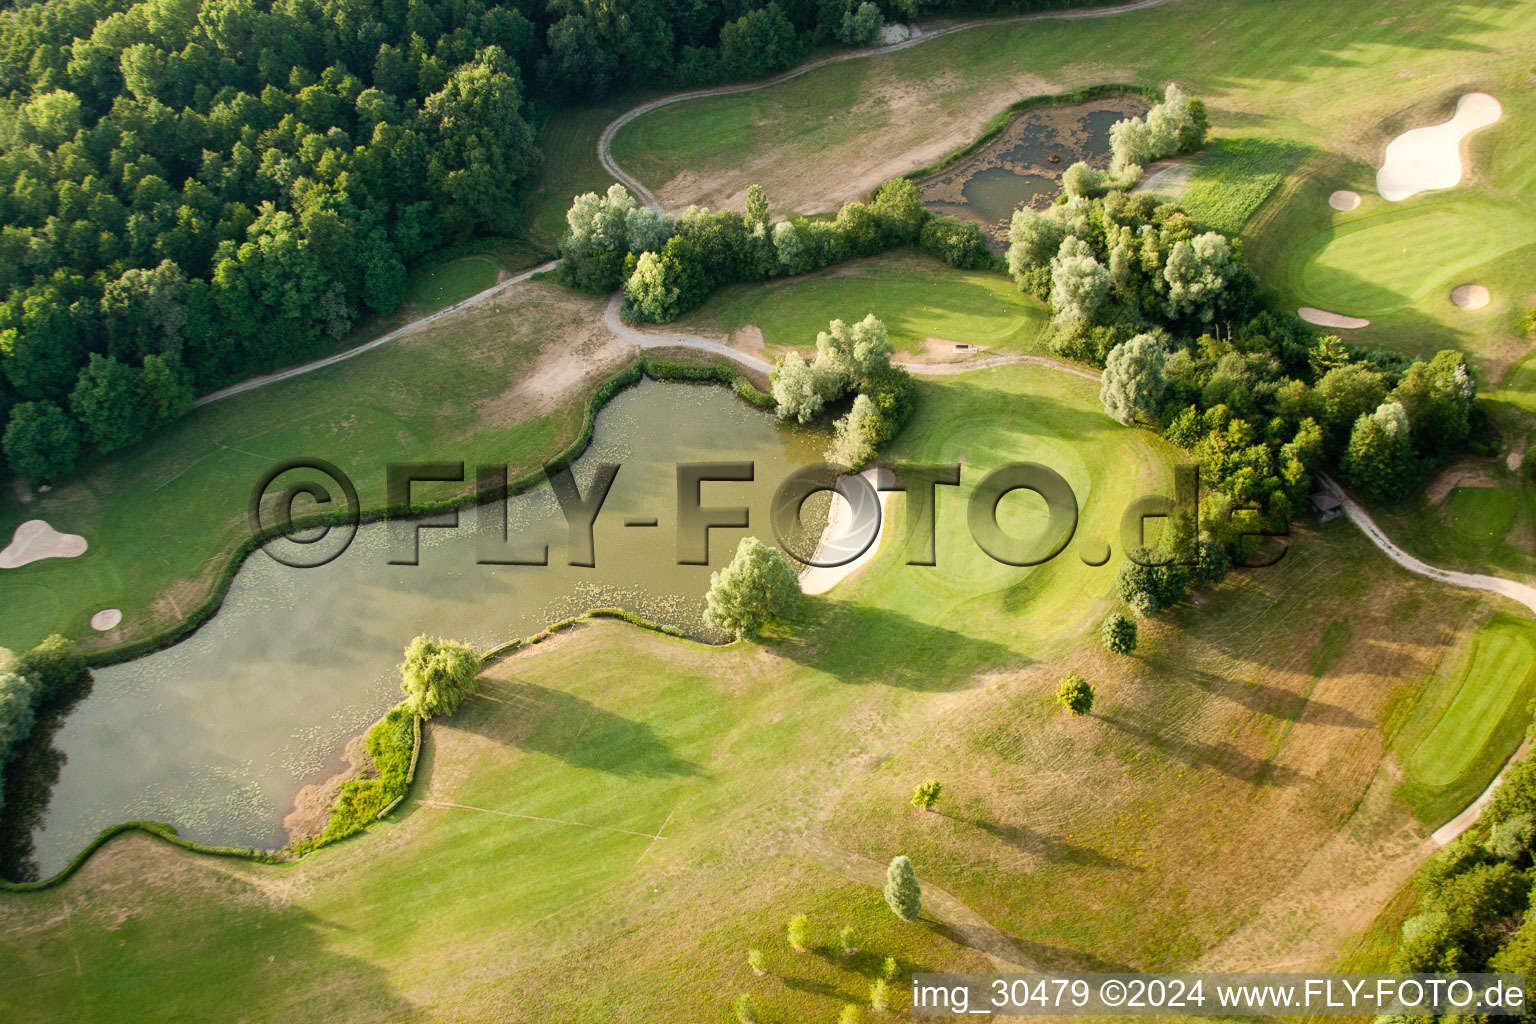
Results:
x,y
218,734
1024,164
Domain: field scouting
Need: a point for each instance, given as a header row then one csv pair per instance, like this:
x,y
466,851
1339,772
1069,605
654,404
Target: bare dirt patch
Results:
x,y
1460,474
312,804
919,124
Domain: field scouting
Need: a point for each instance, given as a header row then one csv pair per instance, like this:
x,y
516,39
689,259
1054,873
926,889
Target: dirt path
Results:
x,y
398,332
645,195
1508,588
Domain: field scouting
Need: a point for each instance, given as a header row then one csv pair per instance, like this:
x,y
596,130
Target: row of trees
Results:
x,y
668,267
1475,894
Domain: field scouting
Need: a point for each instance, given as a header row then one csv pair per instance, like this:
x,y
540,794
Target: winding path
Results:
x,y
666,339
605,141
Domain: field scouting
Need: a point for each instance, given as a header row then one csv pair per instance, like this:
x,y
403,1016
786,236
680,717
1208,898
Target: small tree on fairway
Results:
x,y
758,587
926,795
757,962
798,932
1075,695
880,995
902,892
436,674
746,1009
848,940
1119,634
852,1014
889,969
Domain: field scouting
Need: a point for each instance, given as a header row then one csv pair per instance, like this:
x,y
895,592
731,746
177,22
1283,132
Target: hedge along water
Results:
x,y
217,734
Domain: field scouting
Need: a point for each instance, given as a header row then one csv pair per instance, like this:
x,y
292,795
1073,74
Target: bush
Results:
x,y
798,933
56,668
903,894
1075,694
1119,634
926,795
959,243
391,746
1146,588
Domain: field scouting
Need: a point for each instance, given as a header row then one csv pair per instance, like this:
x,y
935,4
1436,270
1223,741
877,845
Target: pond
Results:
x,y
218,734
1023,165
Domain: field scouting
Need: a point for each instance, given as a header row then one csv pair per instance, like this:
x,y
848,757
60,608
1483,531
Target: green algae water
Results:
x,y
217,734
1016,169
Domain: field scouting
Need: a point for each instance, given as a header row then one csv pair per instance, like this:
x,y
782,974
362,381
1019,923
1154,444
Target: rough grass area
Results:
x,y
926,305
162,516
1469,718
615,816
1231,179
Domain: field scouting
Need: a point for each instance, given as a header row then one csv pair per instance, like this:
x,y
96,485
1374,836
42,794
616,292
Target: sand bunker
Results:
x,y
1344,200
106,619
1323,318
35,540
1429,158
1470,296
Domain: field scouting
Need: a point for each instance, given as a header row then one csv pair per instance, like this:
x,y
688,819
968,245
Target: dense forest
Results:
x,y
195,191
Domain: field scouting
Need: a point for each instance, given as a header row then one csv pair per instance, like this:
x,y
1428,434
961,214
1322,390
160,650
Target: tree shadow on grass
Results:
x,y
1278,702
862,644
547,721
1225,758
1027,840
216,948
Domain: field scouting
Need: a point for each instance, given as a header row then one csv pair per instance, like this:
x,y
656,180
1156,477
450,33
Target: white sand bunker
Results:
x,y
35,540
1344,200
1323,318
1470,296
1429,158
106,619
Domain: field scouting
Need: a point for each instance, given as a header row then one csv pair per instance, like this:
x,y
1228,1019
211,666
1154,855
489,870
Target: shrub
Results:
x,y
745,1009
1511,840
391,743
1147,588
959,243
848,940
757,962
926,795
1119,634
798,932
903,894
1075,694
56,668
852,1014
880,995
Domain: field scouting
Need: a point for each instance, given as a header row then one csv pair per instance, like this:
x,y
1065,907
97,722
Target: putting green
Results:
x,y
1376,265
1481,513
446,283
1486,678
